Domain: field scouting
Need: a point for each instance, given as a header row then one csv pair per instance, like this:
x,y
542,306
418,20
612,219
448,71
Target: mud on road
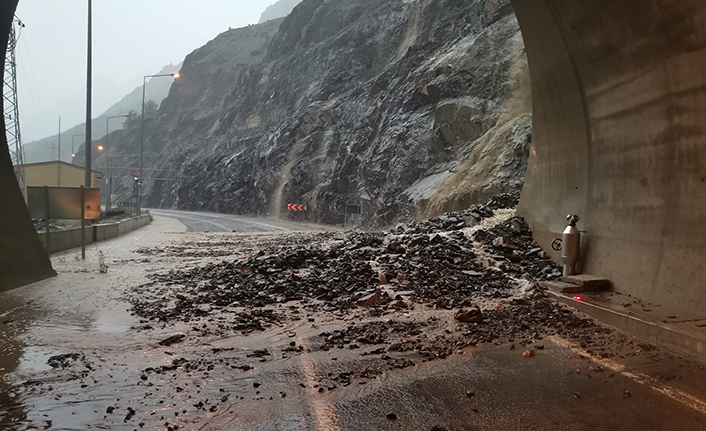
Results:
x,y
433,325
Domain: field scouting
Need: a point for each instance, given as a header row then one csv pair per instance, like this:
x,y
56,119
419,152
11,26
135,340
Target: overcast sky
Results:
x,y
131,38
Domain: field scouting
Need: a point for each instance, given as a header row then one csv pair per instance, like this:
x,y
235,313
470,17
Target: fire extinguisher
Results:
x,y
570,245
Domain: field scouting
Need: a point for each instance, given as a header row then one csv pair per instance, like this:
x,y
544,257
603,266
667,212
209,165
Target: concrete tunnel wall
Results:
x,y
619,102
22,258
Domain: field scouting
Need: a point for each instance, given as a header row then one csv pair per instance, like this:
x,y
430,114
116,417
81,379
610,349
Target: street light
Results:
x,y
101,148
142,134
109,179
73,146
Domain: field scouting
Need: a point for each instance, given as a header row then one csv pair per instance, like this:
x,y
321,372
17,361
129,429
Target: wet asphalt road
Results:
x,y
82,311
213,222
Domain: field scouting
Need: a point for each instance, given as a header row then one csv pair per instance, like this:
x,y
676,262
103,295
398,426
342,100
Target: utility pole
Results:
x,y
58,165
89,140
89,87
109,178
138,203
11,112
142,134
73,146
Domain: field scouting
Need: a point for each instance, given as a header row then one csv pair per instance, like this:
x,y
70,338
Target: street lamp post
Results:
x,y
89,119
89,100
73,146
58,170
109,178
142,135
59,150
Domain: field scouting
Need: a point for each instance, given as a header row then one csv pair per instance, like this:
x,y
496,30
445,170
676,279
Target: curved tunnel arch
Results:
x,y
619,105
22,257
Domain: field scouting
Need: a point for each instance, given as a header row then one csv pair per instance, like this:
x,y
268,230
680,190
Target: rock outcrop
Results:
x,y
406,108
280,9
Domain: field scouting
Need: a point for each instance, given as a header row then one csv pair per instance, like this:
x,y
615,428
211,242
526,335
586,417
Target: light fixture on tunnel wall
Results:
x,y
175,75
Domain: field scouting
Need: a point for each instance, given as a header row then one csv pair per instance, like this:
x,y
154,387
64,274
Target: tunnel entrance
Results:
x,y
22,256
619,93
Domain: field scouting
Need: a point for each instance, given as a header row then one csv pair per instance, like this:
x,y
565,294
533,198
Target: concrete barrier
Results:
x,y
67,239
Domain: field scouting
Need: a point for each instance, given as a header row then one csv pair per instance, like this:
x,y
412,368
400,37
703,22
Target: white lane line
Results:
x,y
224,217
267,225
218,225
322,407
679,396
243,220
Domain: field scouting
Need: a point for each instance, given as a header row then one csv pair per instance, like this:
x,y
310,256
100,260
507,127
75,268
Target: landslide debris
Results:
x,y
480,265
435,261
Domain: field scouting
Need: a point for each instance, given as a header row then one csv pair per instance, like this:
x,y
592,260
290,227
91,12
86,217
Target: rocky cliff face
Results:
x,y
280,9
406,108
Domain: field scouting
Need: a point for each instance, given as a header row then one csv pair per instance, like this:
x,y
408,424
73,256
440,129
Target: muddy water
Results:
x,y
202,383
32,331
78,311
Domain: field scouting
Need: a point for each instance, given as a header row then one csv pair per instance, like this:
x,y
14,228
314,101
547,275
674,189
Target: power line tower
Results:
x,y
11,110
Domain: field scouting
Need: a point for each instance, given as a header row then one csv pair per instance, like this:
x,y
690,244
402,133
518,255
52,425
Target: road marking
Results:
x,y
268,225
679,396
321,406
219,216
218,225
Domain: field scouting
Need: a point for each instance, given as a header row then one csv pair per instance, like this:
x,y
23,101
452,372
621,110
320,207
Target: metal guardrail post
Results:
x,y
47,227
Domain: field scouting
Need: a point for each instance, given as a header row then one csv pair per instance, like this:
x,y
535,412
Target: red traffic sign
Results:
x,y
296,207
137,174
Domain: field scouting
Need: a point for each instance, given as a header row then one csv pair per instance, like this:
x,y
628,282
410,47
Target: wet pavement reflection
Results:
x,y
109,371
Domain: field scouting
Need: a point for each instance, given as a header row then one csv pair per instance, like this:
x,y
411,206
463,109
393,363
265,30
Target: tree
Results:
x,y
133,120
151,110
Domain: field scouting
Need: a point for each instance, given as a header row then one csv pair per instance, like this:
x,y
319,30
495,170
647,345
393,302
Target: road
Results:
x,y
214,222
122,366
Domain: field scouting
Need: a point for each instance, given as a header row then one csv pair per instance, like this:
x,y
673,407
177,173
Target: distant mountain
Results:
x,y
278,10
46,149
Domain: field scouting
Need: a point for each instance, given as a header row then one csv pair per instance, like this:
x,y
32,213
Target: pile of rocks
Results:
x,y
377,270
486,274
484,270
462,219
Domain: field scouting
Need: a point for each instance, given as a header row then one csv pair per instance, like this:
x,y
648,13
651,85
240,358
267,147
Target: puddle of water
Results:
x,y
114,321
48,330
34,359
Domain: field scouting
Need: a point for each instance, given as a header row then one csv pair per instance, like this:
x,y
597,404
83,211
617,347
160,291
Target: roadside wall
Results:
x,y
22,258
67,239
619,106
